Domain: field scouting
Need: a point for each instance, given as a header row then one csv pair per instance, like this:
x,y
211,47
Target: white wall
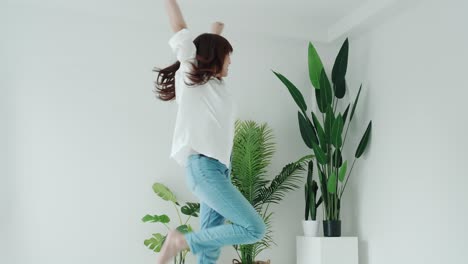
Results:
x,y
90,138
407,199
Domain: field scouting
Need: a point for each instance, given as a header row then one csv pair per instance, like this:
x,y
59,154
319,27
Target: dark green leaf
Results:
x,y
191,209
341,63
295,93
345,115
336,132
340,88
320,132
323,95
320,156
364,140
307,131
329,120
355,103
337,158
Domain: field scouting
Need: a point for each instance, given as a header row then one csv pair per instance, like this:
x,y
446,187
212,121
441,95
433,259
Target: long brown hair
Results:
x,y
211,52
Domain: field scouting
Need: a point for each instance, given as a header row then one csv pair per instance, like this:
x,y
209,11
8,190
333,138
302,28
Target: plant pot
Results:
x,y
310,228
332,228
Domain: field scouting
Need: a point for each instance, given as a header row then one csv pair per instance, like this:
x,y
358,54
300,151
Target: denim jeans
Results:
x,y
210,181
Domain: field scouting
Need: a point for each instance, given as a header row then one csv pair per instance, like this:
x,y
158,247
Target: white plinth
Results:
x,y
326,250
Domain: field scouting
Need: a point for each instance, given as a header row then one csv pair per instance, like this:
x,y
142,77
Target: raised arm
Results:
x,y
217,28
175,15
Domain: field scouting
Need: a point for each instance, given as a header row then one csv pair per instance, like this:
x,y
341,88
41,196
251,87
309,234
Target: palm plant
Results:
x,y
252,152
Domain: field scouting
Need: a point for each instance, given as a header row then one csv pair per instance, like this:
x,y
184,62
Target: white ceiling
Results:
x,y
318,20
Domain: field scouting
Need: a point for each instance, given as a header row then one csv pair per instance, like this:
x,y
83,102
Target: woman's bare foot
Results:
x,y
175,242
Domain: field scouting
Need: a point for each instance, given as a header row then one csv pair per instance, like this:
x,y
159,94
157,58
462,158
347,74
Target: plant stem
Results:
x,y
342,190
180,219
187,219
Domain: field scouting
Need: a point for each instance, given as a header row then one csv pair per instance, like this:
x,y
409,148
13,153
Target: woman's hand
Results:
x,y
217,28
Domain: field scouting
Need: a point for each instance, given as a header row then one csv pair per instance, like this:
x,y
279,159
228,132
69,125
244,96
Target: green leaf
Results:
x,y
320,132
155,243
339,71
364,140
355,103
305,126
336,132
192,209
156,219
342,171
329,120
336,158
323,186
324,95
295,93
340,88
315,66
162,191
319,154
345,114
184,229
331,183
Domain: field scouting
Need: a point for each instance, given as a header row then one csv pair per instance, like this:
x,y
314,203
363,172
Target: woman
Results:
x,y
203,140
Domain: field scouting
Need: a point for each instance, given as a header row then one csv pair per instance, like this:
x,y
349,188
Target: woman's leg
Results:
x,y
208,183
209,218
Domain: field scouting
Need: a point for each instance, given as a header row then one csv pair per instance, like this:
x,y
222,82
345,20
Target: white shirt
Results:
x,y
206,113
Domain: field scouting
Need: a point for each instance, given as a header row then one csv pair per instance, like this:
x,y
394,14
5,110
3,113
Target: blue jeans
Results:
x,y
210,181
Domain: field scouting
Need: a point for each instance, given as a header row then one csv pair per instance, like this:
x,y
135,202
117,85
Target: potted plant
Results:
x,y
324,137
252,152
156,242
311,227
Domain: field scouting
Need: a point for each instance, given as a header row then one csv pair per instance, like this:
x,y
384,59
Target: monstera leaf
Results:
x,y
191,209
155,243
162,191
156,219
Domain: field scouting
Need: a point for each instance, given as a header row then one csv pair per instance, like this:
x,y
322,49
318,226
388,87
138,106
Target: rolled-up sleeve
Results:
x,y
182,45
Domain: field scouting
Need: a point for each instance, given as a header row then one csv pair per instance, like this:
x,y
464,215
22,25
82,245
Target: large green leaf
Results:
x,y
319,154
320,132
339,70
156,219
162,191
341,62
192,209
331,183
336,132
345,114
337,159
155,243
329,121
340,88
315,66
295,93
307,131
324,95
355,103
364,140
342,171
323,186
